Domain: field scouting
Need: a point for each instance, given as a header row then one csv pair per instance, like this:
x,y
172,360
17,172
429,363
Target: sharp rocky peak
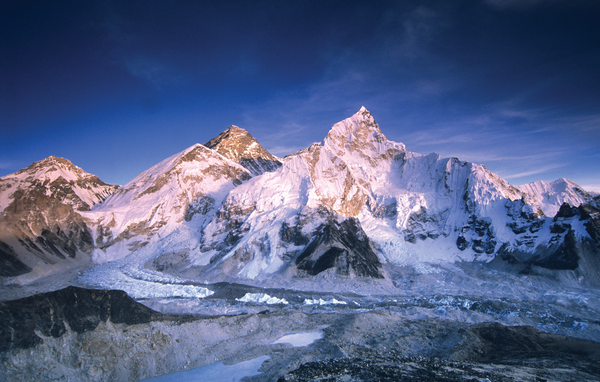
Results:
x,y
360,128
239,146
360,137
235,143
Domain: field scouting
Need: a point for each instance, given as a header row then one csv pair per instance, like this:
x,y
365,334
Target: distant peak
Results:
x,y
54,167
363,110
239,145
52,161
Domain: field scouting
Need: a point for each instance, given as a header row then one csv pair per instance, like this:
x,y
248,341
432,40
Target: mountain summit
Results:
x,y
59,178
238,145
359,139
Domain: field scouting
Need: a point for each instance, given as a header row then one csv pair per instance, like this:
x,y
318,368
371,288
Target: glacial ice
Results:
x,y
320,301
262,298
109,277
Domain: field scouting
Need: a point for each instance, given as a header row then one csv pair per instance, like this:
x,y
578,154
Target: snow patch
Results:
x,y
299,339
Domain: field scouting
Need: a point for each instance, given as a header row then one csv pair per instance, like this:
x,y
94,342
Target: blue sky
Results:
x,y
116,87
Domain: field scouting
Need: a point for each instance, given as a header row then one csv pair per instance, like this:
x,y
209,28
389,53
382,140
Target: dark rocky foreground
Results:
x,y
485,352
52,314
538,369
98,335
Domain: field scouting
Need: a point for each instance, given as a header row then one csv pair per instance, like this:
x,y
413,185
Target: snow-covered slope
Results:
x,y
349,206
551,195
186,186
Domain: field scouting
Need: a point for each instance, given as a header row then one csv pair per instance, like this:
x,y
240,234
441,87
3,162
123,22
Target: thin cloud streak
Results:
x,y
537,171
591,187
153,72
6,165
503,4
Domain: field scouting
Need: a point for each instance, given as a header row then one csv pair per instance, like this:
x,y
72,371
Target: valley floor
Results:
x,y
445,323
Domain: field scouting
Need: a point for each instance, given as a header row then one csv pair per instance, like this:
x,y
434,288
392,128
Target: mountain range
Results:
x,y
352,206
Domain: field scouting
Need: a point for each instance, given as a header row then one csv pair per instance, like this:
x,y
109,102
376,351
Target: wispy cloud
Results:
x,y
6,165
500,156
502,4
153,72
591,187
536,171
420,26
127,42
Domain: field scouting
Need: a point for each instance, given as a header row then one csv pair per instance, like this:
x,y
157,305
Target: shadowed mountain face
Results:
x,y
52,313
10,265
341,247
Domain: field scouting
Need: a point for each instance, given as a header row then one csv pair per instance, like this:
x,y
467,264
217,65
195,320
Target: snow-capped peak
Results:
x,y
361,127
551,195
50,169
236,144
59,178
359,137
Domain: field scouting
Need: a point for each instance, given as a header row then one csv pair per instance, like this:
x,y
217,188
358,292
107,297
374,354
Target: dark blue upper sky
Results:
x,y
116,86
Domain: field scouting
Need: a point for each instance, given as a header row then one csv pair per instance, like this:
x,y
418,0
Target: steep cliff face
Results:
x,y
569,241
40,219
